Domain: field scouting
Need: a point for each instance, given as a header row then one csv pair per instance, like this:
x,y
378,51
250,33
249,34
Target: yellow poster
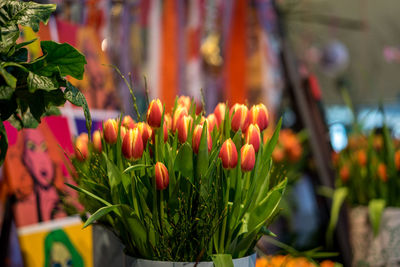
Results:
x,y
61,242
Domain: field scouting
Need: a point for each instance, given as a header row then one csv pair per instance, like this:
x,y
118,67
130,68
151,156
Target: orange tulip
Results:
x,y
132,145
240,117
344,173
184,101
219,112
247,157
361,157
97,141
162,176
145,131
397,160
122,132
228,154
179,112
259,115
197,137
327,263
81,147
110,131
382,173
154,113
168,121
183,128
253,136
128,122
211,122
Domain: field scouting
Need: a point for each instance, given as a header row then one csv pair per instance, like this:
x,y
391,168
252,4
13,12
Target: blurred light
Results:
x,y
334,58
104,45
338,136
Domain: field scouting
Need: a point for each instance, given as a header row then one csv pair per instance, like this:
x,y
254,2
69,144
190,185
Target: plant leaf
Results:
x,y
8,36
375,210
339,196
9,79
38,82
89,194
99,213
6,92
136,167
222,260
184,161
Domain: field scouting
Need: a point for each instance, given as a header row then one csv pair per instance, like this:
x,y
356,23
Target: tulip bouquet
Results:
x,y
180,186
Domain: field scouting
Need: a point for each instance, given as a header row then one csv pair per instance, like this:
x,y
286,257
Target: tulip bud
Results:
x,y
97,141
184,101
228,154
259,115
81,147
397,160
219,112
199,107
344,173
197,137
128,122
132,145
361,158
110,131
179,112
145,131
253,136
154,113
247,157
240,117
168,121
183,128
212,122
122,132
382,173
162,176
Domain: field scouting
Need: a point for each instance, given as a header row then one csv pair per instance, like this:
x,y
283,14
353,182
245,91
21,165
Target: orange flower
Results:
x,y
168,121
132,144
278,155
253,136
197,137
397,160
327,263
382,173
97,141
145,131
344,173
361,157
240,117
128,122
262,262
247,157
211,122
81,147
110,131
259,115
219,112
183,128
184,101
154,113
179,112
228,154
162,176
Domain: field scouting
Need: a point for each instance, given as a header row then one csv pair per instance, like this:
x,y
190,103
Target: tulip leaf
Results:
x,y
270,145
184,161
339,196
222,260
98,214
89,194
136,167
202,155
375,210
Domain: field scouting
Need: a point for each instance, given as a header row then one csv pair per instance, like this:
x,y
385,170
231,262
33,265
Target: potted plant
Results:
x,y
31,89
178,187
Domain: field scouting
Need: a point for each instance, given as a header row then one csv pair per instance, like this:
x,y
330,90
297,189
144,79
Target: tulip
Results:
x,y
240,117
97,141
197,137
211,122
228,154
382,173
179,112
247,157
184,101
154,113
110,131
259,115
397,160
128,122
199,107
168,121
361,158
145,131
81,147
183,128
132,145
253,136
219,112
162,176
344,173
122,132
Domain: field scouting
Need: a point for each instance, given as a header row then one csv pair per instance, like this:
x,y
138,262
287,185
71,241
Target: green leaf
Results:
x,y
202,155
222,260
272,142
6,92
9,79
8,36
81,190
136,167
25,13
38,82
339,196
58,58
184,161
375,210
73,95
99,213
3,143
20,45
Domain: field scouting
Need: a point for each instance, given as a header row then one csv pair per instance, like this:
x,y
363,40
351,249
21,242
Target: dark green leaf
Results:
x,y
272,142
8,36
10,79
7,108
20,45
99,213
137,167
73,95
3,143
6,92
184,160
202,155
21,55
38,82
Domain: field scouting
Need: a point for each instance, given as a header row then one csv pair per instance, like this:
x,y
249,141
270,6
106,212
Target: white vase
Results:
x,y
249,261
369,250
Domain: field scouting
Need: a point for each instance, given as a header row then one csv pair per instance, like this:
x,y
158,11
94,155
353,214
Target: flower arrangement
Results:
x,y
180,186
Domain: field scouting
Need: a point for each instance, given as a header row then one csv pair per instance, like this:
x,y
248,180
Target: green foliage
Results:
x,y
32,90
